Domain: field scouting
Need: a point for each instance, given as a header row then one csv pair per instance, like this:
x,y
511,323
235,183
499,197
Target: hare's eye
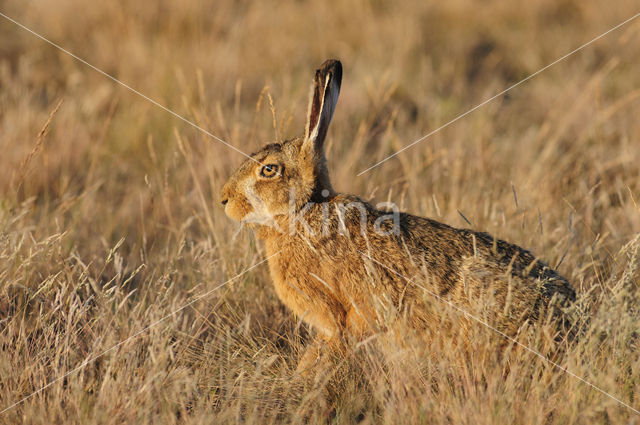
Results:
x,y
269,170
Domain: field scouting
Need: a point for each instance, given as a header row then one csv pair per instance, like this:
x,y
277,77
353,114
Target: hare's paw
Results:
x,y
318,358
309,361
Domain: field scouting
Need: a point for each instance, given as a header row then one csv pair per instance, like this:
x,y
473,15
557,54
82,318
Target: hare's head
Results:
x,y
284,176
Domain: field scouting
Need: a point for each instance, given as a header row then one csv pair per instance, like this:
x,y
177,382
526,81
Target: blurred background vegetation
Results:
x,y
110,217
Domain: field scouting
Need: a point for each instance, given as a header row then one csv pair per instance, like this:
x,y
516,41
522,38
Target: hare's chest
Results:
x,y
293,278
302,287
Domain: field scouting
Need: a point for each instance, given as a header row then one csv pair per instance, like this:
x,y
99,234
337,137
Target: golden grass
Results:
x,y
110,220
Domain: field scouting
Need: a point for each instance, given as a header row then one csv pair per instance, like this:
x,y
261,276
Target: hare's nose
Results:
x,y
224,195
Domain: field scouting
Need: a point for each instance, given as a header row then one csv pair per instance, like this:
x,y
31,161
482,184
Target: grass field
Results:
x,y
110,216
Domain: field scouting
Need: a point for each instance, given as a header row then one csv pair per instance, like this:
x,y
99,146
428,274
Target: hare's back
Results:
x,y
445,250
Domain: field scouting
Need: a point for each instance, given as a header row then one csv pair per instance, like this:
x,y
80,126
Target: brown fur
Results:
x,y
345,282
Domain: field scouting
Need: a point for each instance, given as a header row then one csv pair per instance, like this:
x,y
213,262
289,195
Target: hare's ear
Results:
x,y
324,97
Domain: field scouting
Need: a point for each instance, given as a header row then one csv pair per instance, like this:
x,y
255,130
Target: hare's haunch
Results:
x,y
344,265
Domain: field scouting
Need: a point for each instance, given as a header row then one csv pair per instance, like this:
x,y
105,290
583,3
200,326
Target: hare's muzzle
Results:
x,y
225,196
234,203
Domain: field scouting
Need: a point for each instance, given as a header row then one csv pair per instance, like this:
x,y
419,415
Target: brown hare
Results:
x,y
342,265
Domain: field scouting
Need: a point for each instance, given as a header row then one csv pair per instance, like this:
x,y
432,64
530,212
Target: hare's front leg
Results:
x,y
319,354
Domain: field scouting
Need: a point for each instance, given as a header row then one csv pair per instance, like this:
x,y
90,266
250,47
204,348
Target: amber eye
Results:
x,y
269,170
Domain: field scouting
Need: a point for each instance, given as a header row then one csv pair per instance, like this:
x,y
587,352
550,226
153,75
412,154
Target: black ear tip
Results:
x,y
333,67
333,64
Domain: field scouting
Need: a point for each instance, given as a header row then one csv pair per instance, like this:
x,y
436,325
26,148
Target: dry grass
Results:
x,y
109,220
